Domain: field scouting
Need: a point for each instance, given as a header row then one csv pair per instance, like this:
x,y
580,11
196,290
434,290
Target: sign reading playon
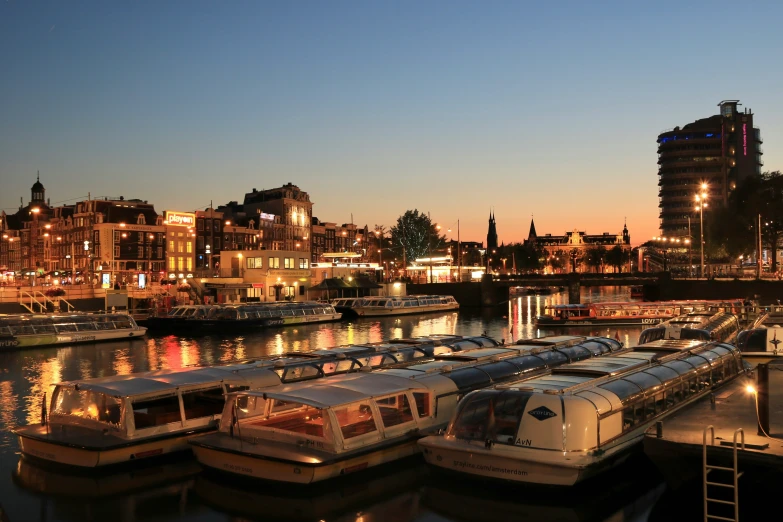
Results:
x,y
183,219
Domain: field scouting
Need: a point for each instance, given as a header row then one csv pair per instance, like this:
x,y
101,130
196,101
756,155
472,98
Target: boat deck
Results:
x,y
734,408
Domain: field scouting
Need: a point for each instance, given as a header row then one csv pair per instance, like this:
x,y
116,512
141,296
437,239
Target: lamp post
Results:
x,y
701,202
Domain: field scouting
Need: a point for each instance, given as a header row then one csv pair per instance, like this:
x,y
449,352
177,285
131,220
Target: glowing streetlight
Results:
x,y
701,203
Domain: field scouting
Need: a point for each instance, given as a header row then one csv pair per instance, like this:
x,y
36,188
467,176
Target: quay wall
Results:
x,y
766,292
467,294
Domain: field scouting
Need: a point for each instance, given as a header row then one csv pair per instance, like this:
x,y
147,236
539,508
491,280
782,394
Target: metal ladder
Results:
x,y
736,475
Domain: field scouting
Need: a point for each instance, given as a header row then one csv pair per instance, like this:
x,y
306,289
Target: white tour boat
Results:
x,y
395,305
703,326
761,341
581,418
33,330
110,420
310,432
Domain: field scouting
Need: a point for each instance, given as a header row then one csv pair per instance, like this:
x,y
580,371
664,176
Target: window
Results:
x,y
274,262
394,410
422,401
116,235
180,264
156,412
159,254
200,243
259,262
303,263
200,224
172,263
141,237
190,247
301,290
203,403
140,252
189,264
117,252
355,420
289,263
179,246
171,246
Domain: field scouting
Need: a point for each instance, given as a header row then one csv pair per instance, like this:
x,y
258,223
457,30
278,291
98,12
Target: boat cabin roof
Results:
x,y
342,389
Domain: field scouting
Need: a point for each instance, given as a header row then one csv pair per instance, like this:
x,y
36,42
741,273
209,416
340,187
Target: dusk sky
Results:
x,y
373,108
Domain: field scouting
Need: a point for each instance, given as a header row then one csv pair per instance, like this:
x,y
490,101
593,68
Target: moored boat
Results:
x,y
34,330
111,420
761,341
625,314
306,433
704,326
395,305
579,419
245,316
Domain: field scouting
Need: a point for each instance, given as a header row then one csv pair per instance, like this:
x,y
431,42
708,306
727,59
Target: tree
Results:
x,y
594,256
576,256
416,235
557,260
617,257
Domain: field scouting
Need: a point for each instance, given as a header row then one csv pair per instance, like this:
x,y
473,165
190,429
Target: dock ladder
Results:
x,y
734,485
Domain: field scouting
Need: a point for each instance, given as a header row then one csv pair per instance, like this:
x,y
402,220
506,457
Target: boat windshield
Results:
x,y
490,414
257,415
86,404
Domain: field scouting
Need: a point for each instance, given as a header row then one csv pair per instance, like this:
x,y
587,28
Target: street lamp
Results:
x,y
701,202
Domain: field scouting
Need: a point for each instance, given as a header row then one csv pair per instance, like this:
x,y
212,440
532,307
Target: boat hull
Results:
x,y
594,321
402,311
280,470
94,457
92,336
206,326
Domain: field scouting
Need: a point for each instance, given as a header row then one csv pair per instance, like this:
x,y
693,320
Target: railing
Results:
x,y
41,307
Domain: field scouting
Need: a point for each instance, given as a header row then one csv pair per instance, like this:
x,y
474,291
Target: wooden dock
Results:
x,y
676,447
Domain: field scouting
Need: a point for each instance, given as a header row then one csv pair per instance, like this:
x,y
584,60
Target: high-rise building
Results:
x,y
717,152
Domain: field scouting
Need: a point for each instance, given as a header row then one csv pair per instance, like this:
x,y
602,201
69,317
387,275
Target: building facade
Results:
x,y
717,152
294,208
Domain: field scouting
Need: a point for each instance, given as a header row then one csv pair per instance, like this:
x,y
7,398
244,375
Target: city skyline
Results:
x,y
453,109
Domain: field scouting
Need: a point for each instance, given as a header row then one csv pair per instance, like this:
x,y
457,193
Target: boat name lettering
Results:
x,y
311,443
241,469
525,442
272,322
579,322
542,413
75,338
9,343
488,467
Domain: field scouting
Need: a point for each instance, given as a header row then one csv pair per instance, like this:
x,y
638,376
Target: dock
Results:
x,y
676,444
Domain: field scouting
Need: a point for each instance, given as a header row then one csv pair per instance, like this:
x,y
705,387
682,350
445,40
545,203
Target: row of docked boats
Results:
x,y
554,410
382,306
629,313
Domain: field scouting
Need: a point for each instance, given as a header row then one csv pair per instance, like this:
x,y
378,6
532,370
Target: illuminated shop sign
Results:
x,y
183,219
265,216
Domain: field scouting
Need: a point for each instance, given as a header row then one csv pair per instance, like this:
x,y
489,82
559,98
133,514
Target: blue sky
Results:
x,y
374,107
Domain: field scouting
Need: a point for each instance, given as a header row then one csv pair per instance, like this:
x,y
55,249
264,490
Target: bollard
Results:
x,y
659,429
762,398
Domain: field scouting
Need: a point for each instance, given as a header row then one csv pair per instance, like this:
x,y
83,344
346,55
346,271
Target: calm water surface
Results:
x,y
178,490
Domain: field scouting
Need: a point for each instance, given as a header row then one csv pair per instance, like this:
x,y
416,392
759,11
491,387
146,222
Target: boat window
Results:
x,y
505,414
298,373
527,363
552,358
575,353
293,417
664,373
231,388
644,380
355,420
469,378
66,327
156,412
394,410
472,416
692,333
652,334
87,404
203,403
500,370
422,400
596,348
622,388
342,366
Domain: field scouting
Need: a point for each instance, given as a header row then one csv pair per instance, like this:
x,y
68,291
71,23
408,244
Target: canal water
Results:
x,y
177,489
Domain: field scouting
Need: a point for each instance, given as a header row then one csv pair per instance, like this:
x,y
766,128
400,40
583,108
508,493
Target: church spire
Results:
x,y
531,236
492,233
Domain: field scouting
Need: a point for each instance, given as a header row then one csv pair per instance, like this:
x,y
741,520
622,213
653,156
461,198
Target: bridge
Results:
x,y
494,290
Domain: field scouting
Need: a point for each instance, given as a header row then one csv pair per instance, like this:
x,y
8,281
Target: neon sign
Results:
x,y
182,219
265,216
745,139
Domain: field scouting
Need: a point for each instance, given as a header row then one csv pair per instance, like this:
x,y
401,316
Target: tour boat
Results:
x,y
244,316
704,326
33,330
110,420
625,314
345,305
310,432
581,418
761,341
394,305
